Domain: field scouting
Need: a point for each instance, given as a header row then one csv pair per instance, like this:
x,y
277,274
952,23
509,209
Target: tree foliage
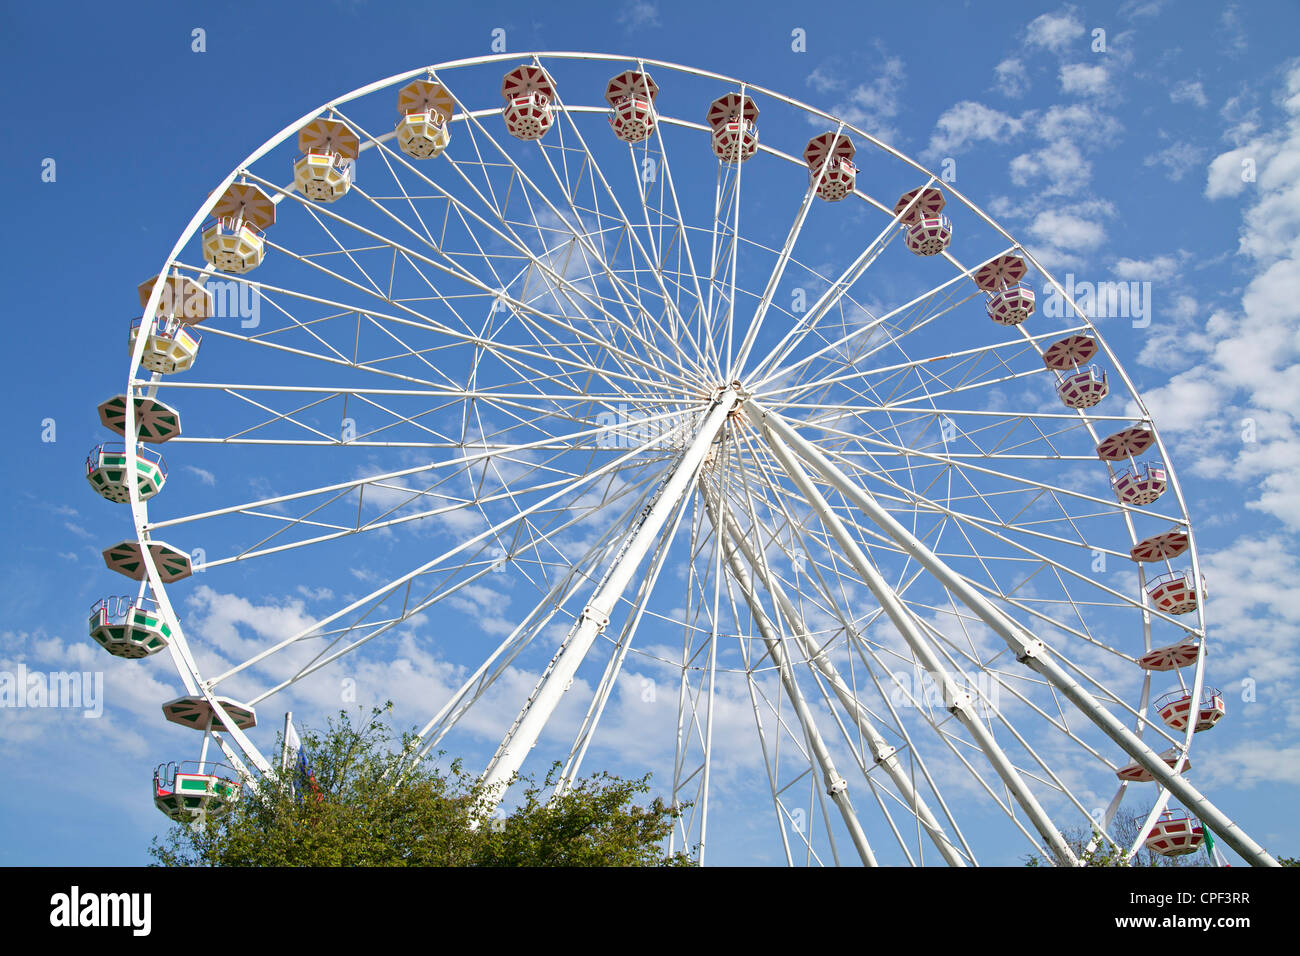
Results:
x,y
366,805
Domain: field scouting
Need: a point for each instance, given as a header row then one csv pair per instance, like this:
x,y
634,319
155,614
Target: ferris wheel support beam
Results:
x,y
836,786
1027,648
881,751
595,616
960,705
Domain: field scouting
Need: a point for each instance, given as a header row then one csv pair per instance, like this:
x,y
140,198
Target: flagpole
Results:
x,y
284,747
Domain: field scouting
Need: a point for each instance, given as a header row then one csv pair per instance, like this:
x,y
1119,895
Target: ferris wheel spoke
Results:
x,y
881,753
903,621
683,363
1027,651
929,305
523,734
578,751
967,466
453,271
854,631
806,323
617,285
579,575
480,457
446,589
774,278
683,243
562,283
990,526
391,587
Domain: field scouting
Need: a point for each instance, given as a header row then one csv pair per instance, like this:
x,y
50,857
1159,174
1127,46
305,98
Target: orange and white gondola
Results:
x,y
232,239
181,298
169,346
424,130
327,167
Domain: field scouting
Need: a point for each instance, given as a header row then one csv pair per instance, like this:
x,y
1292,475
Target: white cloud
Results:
x,y
205,476
1079,122
825,78
968,122
1013,80
1062,166
1153,270
1055,31
1141,8
1187,91
871,106
1224,177
1084,79
1178,159
1066,230
639,13
1248,358
1233,33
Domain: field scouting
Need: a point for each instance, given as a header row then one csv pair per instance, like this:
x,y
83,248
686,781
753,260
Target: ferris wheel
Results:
x,y
608,426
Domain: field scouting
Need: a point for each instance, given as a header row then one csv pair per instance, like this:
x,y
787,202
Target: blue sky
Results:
x,y
1171,158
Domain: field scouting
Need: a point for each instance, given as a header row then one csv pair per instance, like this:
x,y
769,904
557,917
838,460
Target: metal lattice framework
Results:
x,y
687,418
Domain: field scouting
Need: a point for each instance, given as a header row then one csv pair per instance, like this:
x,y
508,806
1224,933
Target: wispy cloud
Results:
x,y
638,14
871,106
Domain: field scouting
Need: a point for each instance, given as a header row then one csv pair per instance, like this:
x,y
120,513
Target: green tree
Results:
x,y
367,806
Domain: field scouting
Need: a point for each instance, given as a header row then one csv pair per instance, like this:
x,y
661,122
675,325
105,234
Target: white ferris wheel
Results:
x,y
545,379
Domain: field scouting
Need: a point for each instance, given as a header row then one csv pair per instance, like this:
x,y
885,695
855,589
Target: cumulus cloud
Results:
x,y
1054,31
1247,354
968,122
1084,79
1012,79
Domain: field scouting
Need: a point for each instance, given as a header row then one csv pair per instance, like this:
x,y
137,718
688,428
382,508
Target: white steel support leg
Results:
x,y
1028,649
881,751
960,706
836,786
595,616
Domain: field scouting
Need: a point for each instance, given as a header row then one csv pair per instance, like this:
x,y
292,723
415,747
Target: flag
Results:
x,y
296,755
1212,850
